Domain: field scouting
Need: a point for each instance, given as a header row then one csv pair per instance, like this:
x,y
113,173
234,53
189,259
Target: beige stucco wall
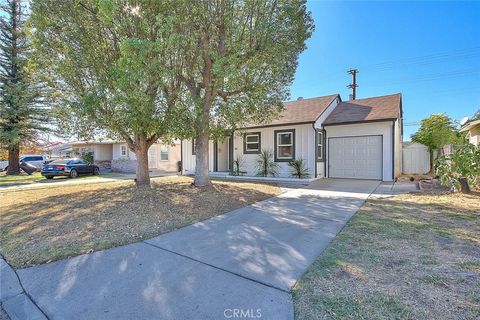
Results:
x,y
474,135
127,163
101,152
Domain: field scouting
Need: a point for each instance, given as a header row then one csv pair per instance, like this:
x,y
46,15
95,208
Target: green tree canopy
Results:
x,y
23,112
111,64
238,59
435,132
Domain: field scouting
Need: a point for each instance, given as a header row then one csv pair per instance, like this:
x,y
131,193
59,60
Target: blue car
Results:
x,y
71,168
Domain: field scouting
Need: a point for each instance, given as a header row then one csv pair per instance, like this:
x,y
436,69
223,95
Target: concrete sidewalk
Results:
x,y
244,262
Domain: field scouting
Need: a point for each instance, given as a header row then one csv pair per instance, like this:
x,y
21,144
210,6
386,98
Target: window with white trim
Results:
x,y
284,145
164,153
320,145
251,143
123,150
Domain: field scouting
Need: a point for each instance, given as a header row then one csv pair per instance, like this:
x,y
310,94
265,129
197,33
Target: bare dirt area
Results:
x,y
43,225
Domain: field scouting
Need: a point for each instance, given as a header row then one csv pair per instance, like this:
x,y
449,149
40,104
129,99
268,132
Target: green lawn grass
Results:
x,y
409,257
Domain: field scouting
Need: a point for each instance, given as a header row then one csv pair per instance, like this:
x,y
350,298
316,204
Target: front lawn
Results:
x,y
54,223
408,257
38,178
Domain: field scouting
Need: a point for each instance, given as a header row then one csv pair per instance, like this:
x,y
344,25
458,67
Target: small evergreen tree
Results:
x,y
22,113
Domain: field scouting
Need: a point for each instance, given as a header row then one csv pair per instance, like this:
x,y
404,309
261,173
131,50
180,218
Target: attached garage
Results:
x,y
364,139
358,157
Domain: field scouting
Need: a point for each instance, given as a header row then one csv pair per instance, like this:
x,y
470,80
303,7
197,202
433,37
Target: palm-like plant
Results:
x,y
266,166
237,164
299,170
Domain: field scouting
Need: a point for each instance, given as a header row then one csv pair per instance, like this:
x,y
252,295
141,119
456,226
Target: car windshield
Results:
x,y
60,161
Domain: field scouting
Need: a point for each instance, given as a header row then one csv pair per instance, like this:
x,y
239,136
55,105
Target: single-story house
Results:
x,y
359,139
161,157
101,150
117,156
472,128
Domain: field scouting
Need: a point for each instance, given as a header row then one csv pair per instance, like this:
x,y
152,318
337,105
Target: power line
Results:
x,y
464,54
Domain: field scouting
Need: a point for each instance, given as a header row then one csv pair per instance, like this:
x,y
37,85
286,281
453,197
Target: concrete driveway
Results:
x,y
242,263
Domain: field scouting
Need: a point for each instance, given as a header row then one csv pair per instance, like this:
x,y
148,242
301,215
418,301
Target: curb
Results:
x,y
15,301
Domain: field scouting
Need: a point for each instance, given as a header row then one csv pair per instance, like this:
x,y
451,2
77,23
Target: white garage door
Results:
x,y
355,157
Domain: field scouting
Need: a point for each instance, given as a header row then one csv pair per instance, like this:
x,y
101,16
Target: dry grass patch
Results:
x,y
408,257
49,224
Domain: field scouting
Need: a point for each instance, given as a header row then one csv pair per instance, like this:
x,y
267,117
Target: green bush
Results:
x,y
237,165
299,169
464,162
88,156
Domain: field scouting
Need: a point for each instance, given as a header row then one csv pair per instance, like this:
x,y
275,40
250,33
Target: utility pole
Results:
x,y
354,84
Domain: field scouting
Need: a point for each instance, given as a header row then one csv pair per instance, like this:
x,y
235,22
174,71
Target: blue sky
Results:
x,y
429,51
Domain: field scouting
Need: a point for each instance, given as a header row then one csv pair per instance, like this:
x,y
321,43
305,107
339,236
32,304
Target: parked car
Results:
x,y
3,165
36,160
71,168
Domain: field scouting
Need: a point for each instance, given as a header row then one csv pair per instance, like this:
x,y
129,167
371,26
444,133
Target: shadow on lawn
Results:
x,y
72,221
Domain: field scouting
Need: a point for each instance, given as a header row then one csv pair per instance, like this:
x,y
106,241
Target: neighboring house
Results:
x,y
101,150
117,156
161,157
472,128
57,149
360,139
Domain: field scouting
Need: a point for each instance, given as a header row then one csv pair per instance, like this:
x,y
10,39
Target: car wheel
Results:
x,y
96,171
73,174
49,178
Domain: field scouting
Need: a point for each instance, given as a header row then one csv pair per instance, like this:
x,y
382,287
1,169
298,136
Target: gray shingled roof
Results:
x,y
364,110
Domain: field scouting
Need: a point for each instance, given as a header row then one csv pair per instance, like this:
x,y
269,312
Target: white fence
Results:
x,y
416,158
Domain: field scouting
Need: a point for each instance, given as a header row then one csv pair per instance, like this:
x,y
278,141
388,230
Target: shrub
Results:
x,y
299,169
266,166
237,165
462,166
88,156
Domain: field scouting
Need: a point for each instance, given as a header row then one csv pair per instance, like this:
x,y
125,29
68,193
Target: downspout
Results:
x,y
215,156
315,148
393,150
181,157
325,152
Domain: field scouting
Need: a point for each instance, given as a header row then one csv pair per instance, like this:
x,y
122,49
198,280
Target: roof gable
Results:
x,y
365,110
301,111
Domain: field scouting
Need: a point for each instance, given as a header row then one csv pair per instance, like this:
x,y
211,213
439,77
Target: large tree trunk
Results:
x,y
142,174
13,161
464,187
201,162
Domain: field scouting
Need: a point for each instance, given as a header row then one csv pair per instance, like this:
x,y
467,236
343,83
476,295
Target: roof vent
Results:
x,y
350,97
299,98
